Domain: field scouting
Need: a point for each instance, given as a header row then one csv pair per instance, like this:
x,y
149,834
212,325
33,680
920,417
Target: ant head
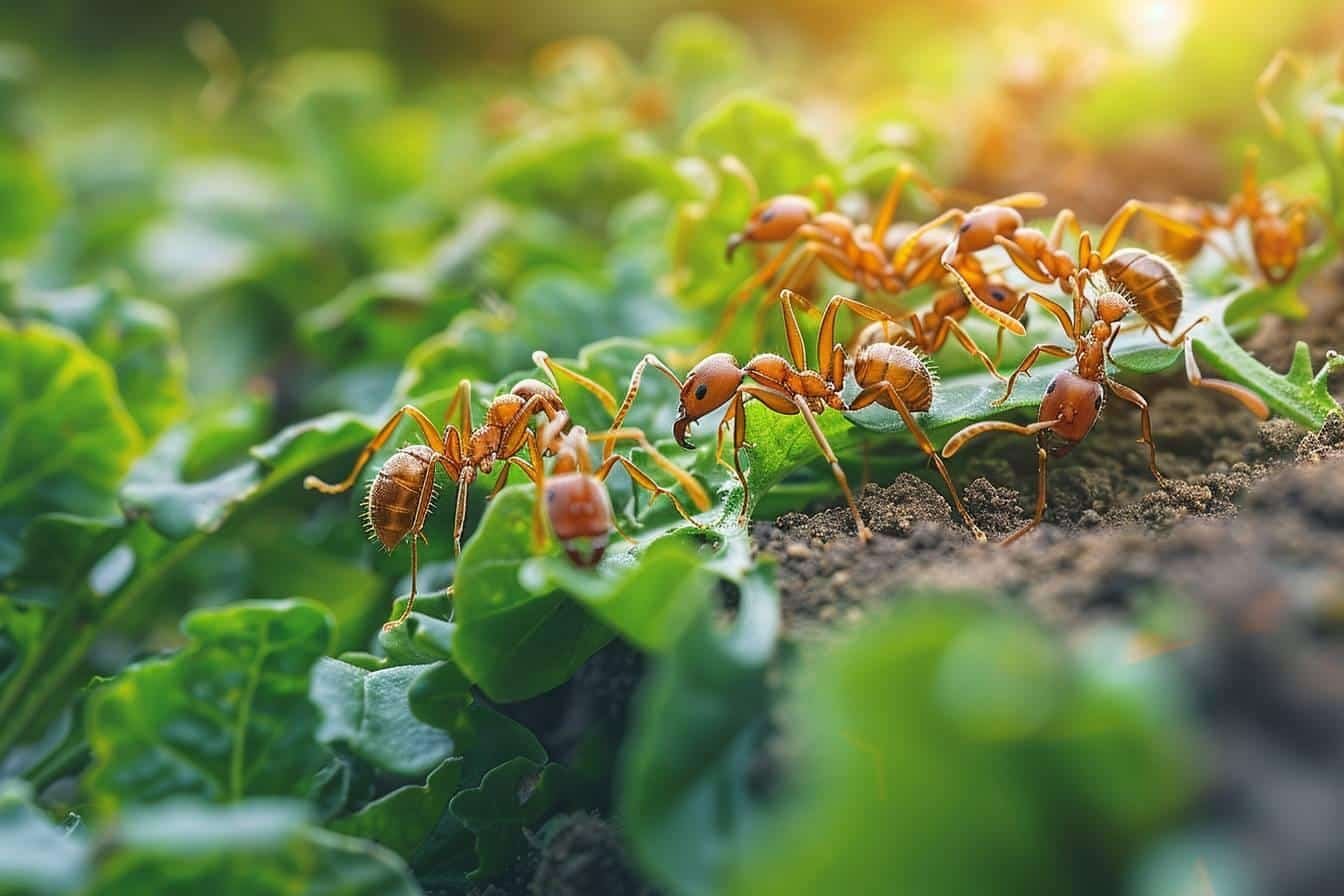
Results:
x,y
983,223
773,221
1075,402
1112,307
709,386
580,513
1277,243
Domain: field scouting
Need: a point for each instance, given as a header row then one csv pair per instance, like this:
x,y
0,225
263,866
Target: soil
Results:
x,y
1248,532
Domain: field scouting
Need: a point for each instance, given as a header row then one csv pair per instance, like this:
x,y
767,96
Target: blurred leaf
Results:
x,y
138,339
512,798
61,555
686,791
369,714
65,436
880,718
255,847
226,718
767,138
36,855
580,170
403,819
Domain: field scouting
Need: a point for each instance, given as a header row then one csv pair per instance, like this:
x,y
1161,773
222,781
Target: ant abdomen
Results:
x,y
581,516
1151,282
399,495
900,366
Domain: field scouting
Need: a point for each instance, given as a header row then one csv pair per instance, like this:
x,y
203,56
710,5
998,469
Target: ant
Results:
x,y
880,257
1149,279
1074,398
401,494
573,496
891,375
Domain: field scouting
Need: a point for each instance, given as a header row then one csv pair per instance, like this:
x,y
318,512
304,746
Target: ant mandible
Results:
x,y
891,375
1074,398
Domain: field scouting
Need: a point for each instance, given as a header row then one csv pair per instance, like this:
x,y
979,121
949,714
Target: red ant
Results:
x,y
1074,398
1278,231
573,496
891,375
880,257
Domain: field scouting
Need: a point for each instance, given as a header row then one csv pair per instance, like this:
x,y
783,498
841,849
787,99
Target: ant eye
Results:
x,y
965,227
768,216
1051,388
700,391
997,295
550,496
1096,406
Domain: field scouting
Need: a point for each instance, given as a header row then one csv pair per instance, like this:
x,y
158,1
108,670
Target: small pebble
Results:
x,y
1089,519
798,551
840,579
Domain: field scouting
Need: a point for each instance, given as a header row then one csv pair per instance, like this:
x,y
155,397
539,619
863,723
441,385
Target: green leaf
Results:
x,y
65,436
404,818
512,798
36,855
511,642
580,169
137,338
650,601
228,717
685,785
257,847
878,720
65,555
369,714
767,138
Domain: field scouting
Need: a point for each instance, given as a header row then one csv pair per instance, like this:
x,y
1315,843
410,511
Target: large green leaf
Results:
x,y
686,796
66,438
227,718
511,642
137,338
402,819
369,714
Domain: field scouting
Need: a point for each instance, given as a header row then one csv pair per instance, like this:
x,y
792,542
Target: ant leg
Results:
x,y
410,601
1024,261
1115,228
1265,82
1042,459
975,430
737,168
950,325
1065,221
1145,424
738,413
1018,311
875,392
692,487
554,367
1002,318
1069,324
1030,199
636,378
1057,351
743,294
826,332
426,427
905,173
644,481
460,407
865,534
1253,403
